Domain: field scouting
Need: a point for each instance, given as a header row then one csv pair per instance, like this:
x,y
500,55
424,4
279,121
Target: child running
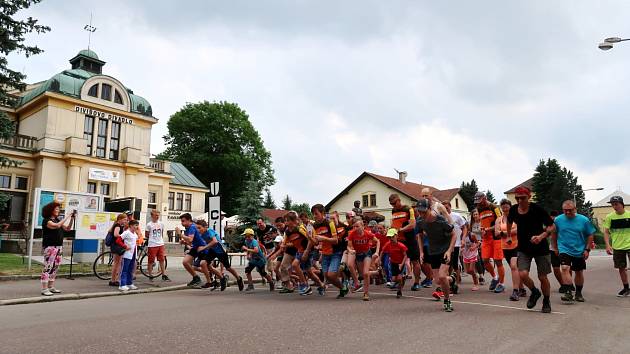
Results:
x,y
359,241
256,260
129,237
470,252
397,252
216,251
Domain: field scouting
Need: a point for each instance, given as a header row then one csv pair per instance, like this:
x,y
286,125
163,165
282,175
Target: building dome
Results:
x,y
88,53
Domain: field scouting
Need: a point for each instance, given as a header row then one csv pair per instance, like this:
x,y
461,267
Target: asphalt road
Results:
x,y
196,321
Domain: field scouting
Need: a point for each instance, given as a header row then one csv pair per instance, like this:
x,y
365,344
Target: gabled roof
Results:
x,y
183,177
604,202
410,189
272,214
529,184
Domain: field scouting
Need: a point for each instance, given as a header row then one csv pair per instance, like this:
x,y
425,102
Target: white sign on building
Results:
x,y
99,174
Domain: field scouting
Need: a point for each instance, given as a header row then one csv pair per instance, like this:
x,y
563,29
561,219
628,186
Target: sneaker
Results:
x,y
563,289
250,287
307,291
272,286
344,289
357,288
286,290
399,294
194,282
165,278
321,290
474,288
567,297
366,297
493,284
448,306
454,287
572,287
514,296
133,287
123,288
533,298
499,289
578,297
54,291
438,294
415,287
623,292
206,285
546,308
482,281
426,283
223,283
47,292
522,292
341,294
239,282
390,284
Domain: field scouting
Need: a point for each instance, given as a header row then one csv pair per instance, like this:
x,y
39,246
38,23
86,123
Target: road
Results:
x,y
196,321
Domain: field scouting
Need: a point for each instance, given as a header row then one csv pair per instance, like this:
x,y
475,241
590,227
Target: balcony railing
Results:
x,y
20,142
160,165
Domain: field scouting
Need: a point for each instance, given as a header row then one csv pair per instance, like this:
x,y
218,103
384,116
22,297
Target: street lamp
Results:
x,y
608,42
588,189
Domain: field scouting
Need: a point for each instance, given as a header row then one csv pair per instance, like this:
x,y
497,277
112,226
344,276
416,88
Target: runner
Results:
x,y
359,249
274,259
326,234
192,238
404,220
490,244
216,251
470,254
509,246
295,242
341,247
156,248
572,239
441,243
461,228
534,226
617,227
309,257
256,260
397,252
435,204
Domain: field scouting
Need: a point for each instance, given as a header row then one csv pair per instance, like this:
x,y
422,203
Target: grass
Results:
x,y
11,264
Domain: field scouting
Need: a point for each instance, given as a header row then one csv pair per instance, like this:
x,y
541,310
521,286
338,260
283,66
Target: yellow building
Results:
x,y
603,208
510,195
84,131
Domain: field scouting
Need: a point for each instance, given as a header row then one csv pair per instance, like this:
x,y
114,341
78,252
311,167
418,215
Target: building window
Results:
x,y
105,188
106,92
88,131
180,201
117,97
152,203
372,200
171,201
5,181
101,138
91,187
188,202
369,200
456,203
114,141
366,200
21,183
93,91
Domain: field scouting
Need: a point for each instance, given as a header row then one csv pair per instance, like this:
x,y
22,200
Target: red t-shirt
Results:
x,y
361,243
381,238
396,251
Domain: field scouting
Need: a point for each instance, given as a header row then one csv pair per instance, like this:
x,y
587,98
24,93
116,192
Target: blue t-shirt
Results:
x,y
197,239
417,230
253,244
208,236
573,233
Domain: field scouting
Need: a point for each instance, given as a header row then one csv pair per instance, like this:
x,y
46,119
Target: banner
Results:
x,y
99,174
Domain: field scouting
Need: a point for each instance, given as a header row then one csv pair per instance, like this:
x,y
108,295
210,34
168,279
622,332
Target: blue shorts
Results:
x,y
362,256
258,264
305,265
331,262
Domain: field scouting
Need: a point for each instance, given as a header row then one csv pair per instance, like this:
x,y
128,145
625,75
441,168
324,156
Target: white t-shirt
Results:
x,y
156,233
458,223
130,239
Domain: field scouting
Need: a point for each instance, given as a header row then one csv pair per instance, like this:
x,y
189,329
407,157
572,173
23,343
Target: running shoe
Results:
x,y
546,307
390,284
344,289
533,298
482,281
438,294
206,285
399,294
165,278
272,286
493,284
522,292
239,281
341,294
286,290
250,287
194,282
357,287
54,291
415,287
321,290
448,306
426,283
567,297
499,289
453,286
366,297
47,292
578,297
514,296
623,292
224,283
474,288
133,287
572,287
563,289
308,291
123,288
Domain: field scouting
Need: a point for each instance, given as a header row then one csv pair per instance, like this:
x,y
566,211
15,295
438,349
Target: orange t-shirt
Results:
x,y
326,229
488,216
503,227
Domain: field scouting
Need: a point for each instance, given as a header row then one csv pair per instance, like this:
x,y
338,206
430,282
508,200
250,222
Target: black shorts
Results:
x,y
222,257
577,263
435,260
620,258
413,252
291,251
455,258
509,254
555,260
258,264
396,269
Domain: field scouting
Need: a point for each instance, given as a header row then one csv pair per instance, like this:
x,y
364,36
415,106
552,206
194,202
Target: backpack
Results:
x,y
109,239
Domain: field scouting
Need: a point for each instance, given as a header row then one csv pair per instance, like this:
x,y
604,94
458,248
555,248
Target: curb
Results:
x,y
79,296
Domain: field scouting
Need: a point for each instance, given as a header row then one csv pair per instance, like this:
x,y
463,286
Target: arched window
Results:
x,y
117,97
93,91
106,92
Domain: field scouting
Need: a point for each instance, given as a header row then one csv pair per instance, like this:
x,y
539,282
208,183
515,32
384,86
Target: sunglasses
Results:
x,y
520,198
567,210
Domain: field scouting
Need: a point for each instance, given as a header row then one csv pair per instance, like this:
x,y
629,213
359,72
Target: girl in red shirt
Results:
x,y
359,241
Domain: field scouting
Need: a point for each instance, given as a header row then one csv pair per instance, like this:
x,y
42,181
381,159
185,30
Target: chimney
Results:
x,y
402,176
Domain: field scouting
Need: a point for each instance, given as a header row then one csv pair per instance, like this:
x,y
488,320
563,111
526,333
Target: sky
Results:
x,y
447,91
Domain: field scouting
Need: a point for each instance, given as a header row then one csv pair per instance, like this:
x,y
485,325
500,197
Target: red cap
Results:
x,y
522,190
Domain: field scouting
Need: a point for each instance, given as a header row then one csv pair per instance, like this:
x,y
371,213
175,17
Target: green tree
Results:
x,y
490,197
250,203
467,190
302,208
287,203
217,142
553,184
269,203
12,37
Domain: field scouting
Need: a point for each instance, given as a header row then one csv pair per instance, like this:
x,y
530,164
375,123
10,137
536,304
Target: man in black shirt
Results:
x,y
534,226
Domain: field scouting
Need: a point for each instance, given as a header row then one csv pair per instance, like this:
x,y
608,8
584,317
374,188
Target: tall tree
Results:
x,y
553,184
12,37
490,197
287,203
269,203
217,142
467,190
302,208
250,203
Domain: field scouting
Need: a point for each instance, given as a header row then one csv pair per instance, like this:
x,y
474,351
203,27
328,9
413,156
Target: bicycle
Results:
x,y
102,266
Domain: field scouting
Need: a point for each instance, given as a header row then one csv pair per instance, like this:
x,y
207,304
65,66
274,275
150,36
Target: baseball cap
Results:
x,y
616,199
248,232
478,197
278,239
391,232
422,205
372,223
522,190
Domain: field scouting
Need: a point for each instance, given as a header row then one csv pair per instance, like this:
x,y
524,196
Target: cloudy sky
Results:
x,y
448,91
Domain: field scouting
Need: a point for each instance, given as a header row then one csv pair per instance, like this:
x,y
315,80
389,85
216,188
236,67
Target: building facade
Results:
x,y
84,131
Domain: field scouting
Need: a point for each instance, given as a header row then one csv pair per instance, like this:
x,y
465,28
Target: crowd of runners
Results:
x,y
426,245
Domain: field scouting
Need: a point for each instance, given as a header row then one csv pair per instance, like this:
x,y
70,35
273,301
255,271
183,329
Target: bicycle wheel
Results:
x,y
102,266
144,266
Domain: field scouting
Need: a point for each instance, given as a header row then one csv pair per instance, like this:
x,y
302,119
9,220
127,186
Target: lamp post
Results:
x,y
586,190
610,41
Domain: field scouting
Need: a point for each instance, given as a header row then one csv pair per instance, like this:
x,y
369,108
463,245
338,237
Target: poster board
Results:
x,y
94,225
70,201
